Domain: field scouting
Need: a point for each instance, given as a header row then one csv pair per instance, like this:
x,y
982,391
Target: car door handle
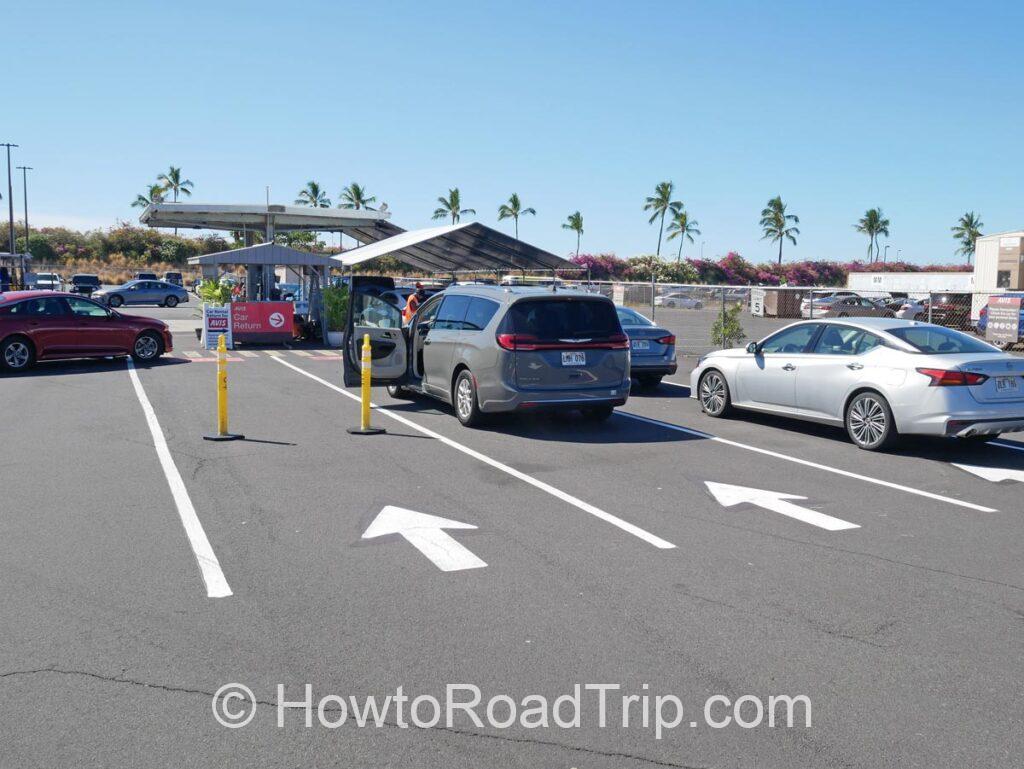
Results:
x,y
855,366
789,367
426,342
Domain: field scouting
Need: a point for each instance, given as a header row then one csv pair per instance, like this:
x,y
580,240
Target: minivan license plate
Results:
x,y
1006,384
574,359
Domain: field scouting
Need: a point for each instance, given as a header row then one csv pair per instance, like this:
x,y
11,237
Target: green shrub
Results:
x,y
336,307
727,330
214,292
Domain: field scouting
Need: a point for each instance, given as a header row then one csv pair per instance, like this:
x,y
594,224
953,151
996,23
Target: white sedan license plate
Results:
x,y
1006,384
574,359
641,344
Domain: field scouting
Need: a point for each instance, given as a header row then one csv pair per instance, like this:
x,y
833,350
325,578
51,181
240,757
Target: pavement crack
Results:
x,y
384,723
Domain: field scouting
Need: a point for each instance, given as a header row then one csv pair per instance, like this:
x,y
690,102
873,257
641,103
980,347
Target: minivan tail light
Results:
x,y
668,341
952,377
517,341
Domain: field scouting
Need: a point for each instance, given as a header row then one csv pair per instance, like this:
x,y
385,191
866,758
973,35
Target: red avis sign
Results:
x,y
266,320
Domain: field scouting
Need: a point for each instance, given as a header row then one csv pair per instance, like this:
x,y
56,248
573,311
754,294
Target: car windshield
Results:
x,y
935,340
555,319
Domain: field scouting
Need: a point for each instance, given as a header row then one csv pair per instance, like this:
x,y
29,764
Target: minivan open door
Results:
x,y
370,314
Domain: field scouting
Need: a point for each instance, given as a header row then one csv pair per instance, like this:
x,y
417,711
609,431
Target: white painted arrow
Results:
x,y
426,533
994,474
728,495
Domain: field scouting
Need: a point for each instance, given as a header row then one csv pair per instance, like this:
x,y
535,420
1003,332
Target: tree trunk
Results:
x,y
516,220
577,245
679,256
661,228
780,251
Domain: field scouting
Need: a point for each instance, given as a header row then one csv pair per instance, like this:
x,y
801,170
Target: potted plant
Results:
x,y
336,313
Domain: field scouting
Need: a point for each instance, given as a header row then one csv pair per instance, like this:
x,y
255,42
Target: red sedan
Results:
x,y
48,325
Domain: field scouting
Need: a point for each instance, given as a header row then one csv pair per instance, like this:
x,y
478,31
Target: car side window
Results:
x,y
869,342
429,311
43,306
838,340
452,313
87,309
375,312
791,340
479,314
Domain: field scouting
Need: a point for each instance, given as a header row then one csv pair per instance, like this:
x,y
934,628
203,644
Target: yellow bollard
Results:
x,y
222,433
366,374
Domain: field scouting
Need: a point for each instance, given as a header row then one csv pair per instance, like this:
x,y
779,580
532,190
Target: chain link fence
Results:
x,y
705,318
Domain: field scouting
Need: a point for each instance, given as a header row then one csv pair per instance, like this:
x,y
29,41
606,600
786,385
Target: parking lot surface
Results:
x,y
662,551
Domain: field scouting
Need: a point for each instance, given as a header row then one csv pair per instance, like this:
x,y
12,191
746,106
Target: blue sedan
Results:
x,y
156,292
652,348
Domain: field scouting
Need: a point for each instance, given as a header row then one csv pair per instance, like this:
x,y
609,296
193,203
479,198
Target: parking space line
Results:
x,y
192,354
303,353
248,353
807,463
586,507
273,353
213,576
1011,446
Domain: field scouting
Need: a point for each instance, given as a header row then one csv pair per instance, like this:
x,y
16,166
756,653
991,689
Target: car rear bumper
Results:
x,y
964,428
530,400
654,367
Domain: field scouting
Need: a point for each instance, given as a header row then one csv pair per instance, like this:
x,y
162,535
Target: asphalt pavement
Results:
x,y
663,552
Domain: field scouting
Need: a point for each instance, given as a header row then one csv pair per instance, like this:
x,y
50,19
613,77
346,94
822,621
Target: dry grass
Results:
x,y
114,271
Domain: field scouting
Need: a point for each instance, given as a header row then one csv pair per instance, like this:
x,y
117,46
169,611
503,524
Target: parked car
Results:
x,y
85,284
678,299
951,310
146,276
850,307
652,348
488,349
43,325
48,281
912,309
821,299
878,377
174,278
143,292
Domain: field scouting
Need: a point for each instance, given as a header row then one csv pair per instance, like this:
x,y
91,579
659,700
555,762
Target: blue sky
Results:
x,y
917,107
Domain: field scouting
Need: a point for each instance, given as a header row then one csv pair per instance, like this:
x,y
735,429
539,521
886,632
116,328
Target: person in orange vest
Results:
x,y
413,303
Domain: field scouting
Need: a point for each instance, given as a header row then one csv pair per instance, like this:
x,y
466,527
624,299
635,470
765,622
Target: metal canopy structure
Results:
x,y
269,219
453,248
264,254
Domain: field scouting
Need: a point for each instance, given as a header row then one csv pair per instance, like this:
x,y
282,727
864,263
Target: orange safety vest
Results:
x,y
411,305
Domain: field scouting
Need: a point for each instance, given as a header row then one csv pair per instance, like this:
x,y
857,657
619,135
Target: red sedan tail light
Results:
x,y
952,377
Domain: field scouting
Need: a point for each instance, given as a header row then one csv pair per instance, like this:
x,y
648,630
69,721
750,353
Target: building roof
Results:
x,y
1013,234
452,248
202,216
264,253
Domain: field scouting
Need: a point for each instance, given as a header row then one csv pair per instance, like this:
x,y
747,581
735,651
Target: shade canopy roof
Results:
x,y
264,253
258,217
453,248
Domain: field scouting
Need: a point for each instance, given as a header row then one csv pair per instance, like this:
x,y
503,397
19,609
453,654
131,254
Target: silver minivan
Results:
x,y
488,349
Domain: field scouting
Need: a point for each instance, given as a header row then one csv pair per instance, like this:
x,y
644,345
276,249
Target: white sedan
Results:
x,y
878,377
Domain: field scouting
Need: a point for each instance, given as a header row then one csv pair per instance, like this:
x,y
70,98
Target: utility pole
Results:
x,y
24,190
10,194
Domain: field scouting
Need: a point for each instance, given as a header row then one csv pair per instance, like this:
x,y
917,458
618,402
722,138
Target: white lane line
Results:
x,y
675,384
273,353
586,507
191,354
303,353
213,576
807,463
247,353
1011,446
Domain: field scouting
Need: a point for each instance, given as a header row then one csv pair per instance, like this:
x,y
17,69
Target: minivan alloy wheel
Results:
x,y
464,398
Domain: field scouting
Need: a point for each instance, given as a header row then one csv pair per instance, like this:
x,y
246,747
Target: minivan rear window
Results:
x,y
558,319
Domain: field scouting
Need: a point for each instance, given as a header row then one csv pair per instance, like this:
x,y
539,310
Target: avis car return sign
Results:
x,y
262,321
216,321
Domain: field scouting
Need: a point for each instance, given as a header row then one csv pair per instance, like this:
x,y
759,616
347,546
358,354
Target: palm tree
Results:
x,y
312,195
172,182
967,230
660,204
682,227
574,222
873,224
775,223
452,206
513,210
354,196
155,194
